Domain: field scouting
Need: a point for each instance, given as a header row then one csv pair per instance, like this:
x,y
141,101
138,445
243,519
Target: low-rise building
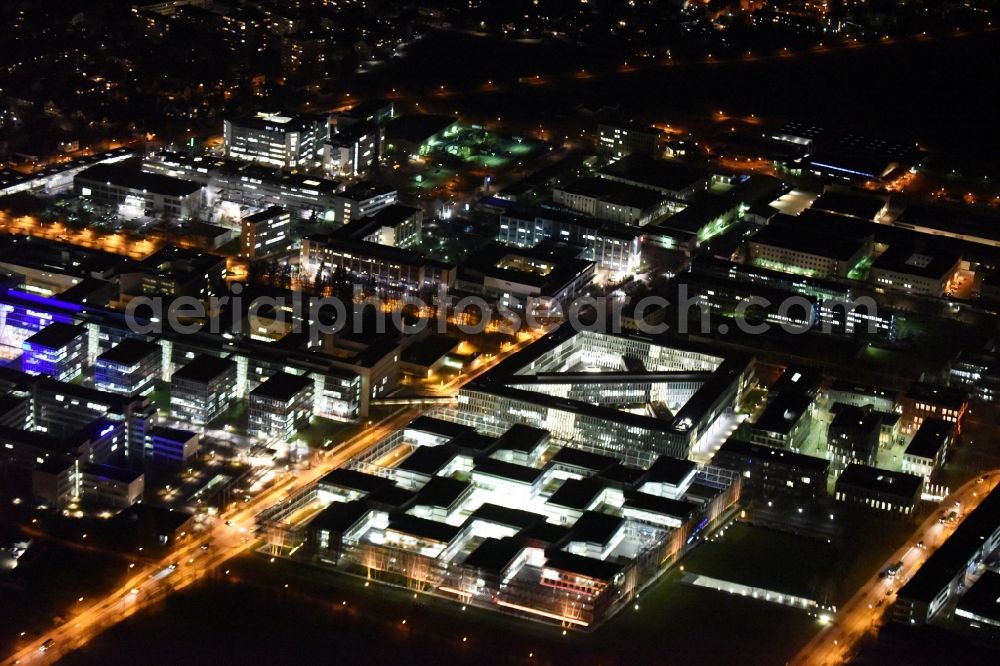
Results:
x,y
175,271
361,200
109,486
546,277
354,150
927,450
383,265
172,445
614,247
141,192
924,401
879,489
625,138
979,608
943,576
853,436
769,472
613,200
393,225
671,178
785,422
920,272
791,248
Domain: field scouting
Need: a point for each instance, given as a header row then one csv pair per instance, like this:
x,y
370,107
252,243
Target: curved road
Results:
x,y
836,642
230,536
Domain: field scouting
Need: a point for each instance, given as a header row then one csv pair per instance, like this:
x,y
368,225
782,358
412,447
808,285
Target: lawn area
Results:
x,y
321,431
259,620
766,558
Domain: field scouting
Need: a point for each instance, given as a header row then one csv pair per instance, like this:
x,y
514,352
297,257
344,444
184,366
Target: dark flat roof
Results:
x,y
585,566
204,368
422,528
507,470
390,496
881,480
798,379
799,238
751,451
614,192
417,127
282,386
340,516
594,462
937,395
522,437
576,493
442,492
111,472
669,470
129,351
495,555
56,335
266,214
783,412
437,426
954,554
427,351
365,189
428,459
173,434
663,505
850,204
352,479
474,441
595,527
504,515
983,598
931,437
913,260
138,180
661,174
393,215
